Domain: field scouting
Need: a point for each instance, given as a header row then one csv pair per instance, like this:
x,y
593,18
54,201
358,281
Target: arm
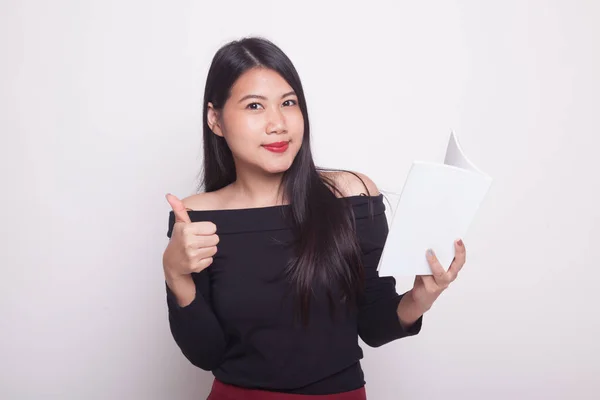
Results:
x,y
182,288
409,312
384,315
194,326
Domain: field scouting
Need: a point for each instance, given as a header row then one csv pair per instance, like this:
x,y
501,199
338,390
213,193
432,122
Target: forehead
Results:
x,y
260,81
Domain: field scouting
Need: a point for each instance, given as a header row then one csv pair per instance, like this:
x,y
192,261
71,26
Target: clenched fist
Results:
x,y
192,245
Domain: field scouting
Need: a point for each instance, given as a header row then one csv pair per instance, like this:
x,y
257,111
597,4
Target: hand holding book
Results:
x,y
437,204
427,288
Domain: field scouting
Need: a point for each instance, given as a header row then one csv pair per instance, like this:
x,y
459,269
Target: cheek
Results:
x,y
295,124
241,132
248,125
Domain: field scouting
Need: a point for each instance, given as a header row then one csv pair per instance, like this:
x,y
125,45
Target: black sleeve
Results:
x,y
195,327
378,321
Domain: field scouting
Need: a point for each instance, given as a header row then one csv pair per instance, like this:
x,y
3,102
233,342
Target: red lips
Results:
x,y
277,147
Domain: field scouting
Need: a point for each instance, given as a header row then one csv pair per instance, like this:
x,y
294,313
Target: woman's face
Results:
x,y
262,109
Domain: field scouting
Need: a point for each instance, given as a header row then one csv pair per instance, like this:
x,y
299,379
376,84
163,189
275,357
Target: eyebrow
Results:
x,y
256,96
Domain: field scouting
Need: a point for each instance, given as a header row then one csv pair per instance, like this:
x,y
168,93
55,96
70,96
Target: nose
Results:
x,y
275,122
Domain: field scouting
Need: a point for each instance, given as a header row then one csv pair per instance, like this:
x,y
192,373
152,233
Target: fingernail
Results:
x,y
430,252
460,243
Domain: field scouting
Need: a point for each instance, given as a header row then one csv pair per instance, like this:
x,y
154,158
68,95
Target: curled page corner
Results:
x,y
436,206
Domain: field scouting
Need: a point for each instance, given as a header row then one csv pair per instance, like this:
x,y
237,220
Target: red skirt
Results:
x,y
223,391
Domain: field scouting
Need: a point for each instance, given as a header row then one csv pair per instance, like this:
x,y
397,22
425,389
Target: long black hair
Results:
x,y
326,247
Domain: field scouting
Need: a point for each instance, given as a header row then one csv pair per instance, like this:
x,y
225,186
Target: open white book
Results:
x,y
437,204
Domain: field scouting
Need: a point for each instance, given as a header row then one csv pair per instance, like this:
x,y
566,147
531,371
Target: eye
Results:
x,y
294,102
253,104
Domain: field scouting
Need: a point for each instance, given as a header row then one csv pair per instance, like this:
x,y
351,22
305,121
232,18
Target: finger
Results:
x,y
200,228
430,284
205,228
436,268
197,242
460,256
418,280
207,240
202,264
206,252
181,215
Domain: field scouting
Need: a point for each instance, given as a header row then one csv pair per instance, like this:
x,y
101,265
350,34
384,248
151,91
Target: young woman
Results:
x,y
271,272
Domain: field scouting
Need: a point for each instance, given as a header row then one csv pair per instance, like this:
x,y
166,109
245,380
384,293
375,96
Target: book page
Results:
x,y
436,206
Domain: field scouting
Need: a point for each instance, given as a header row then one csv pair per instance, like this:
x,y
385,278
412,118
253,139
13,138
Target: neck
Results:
x,y
257,189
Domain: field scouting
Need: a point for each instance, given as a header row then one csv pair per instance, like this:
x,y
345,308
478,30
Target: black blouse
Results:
x,y
241,323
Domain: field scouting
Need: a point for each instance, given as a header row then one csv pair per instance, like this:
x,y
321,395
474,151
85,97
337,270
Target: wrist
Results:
x,y
420,306
409,310
171,275
182,287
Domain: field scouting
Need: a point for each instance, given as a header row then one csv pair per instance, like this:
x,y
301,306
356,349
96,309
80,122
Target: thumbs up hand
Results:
x,y
192,245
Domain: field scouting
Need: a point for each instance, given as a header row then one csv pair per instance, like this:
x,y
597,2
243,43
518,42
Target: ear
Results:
x,y
212,118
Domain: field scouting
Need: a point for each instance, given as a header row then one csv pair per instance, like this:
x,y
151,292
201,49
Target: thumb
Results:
x,y
181,214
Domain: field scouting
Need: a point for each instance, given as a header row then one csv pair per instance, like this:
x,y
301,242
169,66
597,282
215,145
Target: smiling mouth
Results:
x,y
278,147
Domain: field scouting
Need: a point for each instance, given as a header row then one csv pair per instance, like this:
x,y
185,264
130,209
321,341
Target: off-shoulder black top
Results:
x,y
241,325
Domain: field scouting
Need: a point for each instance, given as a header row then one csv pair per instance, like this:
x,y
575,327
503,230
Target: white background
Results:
x,y
100,116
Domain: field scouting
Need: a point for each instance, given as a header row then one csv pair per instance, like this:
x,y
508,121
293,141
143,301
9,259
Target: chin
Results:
x,y
277,170
278,167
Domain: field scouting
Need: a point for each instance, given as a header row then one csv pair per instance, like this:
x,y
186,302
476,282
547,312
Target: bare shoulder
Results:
x,y
351,183
202,201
